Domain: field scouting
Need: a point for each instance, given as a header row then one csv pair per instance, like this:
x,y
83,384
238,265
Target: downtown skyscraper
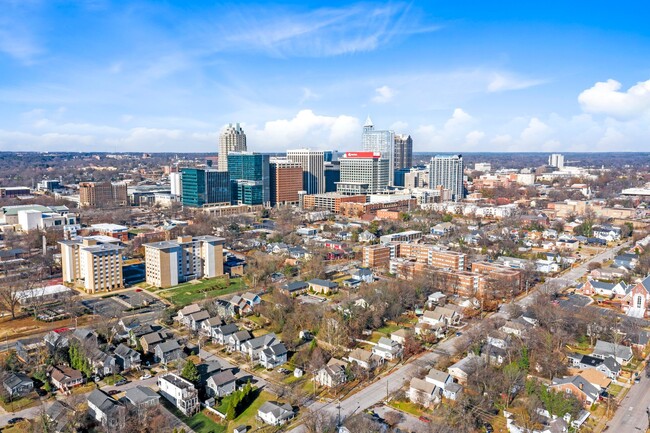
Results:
x,y
382,141
313,168
231,139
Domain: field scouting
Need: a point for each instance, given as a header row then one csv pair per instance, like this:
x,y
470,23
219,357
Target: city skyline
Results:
x,y
99,76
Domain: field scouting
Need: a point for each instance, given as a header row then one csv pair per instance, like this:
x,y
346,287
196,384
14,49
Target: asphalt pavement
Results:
x,y
632,415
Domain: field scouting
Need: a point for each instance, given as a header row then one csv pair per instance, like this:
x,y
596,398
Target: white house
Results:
x,y
274,413
387,349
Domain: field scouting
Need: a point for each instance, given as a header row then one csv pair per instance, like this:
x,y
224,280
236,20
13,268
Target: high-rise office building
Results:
x,y
95,265
363,173
403,152
231,139
447,171
201,186
286,181
332,175
313,168
250,178
171,262
382,141
556,160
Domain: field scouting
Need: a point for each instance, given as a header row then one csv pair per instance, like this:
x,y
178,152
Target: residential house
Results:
x,y
333,374
579,387
238,338
424,393
180,392
401,335
17,384
607,233
442,229
436,299
29,350
167,352
254,346
463,368
324,287
101,363
440,315
439,378
274,413
149,341
136,334
183,313
515,328
221,334
221,384
106,411
596,377
206,370
64,378
56,340
423,328
208,326
608,273
366,237
194,320
226,308
364,358
627,261
387,349
295,288
60,416
493,354
127,358
364,275
274,355
142,397
452,391
608,365
604,349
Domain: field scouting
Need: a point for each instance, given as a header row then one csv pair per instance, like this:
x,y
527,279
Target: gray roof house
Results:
x,y
105,410
603,349
273,355
17,384
60,415
142,397
221,384
168,351
126,358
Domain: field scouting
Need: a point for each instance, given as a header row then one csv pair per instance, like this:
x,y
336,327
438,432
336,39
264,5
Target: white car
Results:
x,y
145,376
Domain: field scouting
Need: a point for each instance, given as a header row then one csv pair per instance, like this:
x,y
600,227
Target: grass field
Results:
x,y
201,423
247,417
407,406
188,293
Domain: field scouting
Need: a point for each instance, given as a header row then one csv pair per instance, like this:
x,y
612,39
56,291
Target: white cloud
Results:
x,y
473,138
607,98
306,129
535,132
458,119
399,127
383,95
502,81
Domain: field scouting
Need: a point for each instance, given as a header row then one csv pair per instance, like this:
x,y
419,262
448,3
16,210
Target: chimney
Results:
x,y
581,386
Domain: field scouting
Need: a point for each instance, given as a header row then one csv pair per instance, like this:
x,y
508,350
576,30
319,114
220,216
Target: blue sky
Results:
x,y
457,76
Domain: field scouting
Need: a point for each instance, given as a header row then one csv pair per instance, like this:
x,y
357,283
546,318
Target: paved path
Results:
x,y
631,416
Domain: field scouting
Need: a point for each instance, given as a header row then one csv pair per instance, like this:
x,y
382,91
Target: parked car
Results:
x,y
121,382
424,419
113,392
145,376
16,420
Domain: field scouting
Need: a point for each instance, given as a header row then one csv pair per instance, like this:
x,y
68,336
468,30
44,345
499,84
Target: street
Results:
x,y
631,416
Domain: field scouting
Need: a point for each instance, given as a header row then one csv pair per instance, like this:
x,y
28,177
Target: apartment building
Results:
x,y
506,276
376,256
429,254
93,263
99,194
169,263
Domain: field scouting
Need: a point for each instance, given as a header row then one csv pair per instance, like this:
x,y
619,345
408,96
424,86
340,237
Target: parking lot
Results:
x,y
124,304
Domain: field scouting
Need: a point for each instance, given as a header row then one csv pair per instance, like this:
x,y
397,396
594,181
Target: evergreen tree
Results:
x,y
190,372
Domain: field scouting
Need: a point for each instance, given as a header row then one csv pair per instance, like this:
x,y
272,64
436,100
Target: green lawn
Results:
x,y
110,380
247,417
201,423
188,293
407,406
388,329
614,389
